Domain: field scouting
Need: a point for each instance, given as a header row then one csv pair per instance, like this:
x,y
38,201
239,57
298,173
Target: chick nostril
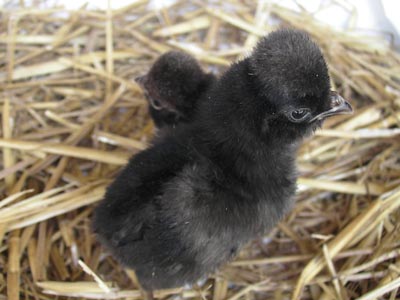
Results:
x,y
337,102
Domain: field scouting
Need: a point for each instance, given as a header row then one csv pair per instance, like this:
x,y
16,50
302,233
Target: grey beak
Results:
x,y
141,80
339,106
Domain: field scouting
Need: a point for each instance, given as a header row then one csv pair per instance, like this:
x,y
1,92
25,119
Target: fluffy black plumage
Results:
x,y
187,204
173,87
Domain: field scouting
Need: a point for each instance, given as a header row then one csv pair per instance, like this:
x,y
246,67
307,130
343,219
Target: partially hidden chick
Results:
x,y
186,205
173,87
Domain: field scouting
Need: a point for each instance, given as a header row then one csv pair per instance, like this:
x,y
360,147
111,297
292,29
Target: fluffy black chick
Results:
x,y
183,207
173,87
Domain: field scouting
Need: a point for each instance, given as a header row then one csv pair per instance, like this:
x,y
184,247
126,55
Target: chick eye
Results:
x,y
156,104
299,115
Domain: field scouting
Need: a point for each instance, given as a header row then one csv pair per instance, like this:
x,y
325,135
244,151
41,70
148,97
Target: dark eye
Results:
x,y
299,115
155,103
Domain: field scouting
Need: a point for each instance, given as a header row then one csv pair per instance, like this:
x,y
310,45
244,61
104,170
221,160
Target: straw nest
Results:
x,y
72,115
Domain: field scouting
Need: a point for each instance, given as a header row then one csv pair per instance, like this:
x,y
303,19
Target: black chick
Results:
x,y
173,87
186,205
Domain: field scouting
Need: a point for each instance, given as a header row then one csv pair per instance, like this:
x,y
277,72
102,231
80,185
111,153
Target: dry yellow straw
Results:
x,y
72,151
356,229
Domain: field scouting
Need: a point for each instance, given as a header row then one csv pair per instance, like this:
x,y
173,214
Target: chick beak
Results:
x,y
339,106
141,80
